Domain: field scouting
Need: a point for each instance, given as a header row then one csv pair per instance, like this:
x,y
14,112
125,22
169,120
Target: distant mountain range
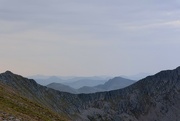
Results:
x,y
154,98
80,82
62,88
137,77
85,82
115,83
112,84
74,82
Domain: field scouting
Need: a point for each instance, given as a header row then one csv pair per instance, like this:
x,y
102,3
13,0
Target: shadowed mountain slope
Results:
x,y
16,107
156,97
56,101
153,98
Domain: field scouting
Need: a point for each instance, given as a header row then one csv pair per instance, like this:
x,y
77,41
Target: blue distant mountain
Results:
x,y
112,84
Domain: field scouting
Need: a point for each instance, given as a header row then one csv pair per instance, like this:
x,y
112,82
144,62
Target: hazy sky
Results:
x,y
89,37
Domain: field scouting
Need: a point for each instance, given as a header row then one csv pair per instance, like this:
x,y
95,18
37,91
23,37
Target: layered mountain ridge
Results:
x,y
112,84
72,81
156,97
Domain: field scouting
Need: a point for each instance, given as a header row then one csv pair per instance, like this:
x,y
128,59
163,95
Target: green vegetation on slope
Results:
x,y
13,104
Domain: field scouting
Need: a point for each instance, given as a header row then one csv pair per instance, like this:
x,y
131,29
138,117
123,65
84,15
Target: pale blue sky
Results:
x,y
89,37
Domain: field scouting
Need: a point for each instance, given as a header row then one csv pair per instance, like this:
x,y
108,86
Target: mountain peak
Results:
x,y
178,69
8,72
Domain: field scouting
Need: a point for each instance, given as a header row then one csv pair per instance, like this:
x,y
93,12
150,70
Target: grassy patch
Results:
x,y
13,103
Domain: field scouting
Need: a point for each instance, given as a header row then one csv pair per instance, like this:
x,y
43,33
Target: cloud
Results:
x,y
115,35
168,24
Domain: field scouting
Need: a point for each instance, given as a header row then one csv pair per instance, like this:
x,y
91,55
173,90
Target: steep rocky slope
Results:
x,y
15,107
155,98
59,102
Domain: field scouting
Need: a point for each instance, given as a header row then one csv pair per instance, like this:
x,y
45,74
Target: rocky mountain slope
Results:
x,y
155,98
16,107
62,103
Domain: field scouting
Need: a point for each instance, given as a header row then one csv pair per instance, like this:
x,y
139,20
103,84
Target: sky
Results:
x,y
89,37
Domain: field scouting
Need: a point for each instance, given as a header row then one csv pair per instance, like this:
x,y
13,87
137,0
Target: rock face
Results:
x,y
155,98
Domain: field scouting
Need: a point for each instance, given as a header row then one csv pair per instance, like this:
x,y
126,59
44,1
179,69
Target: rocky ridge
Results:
x,y
155,98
